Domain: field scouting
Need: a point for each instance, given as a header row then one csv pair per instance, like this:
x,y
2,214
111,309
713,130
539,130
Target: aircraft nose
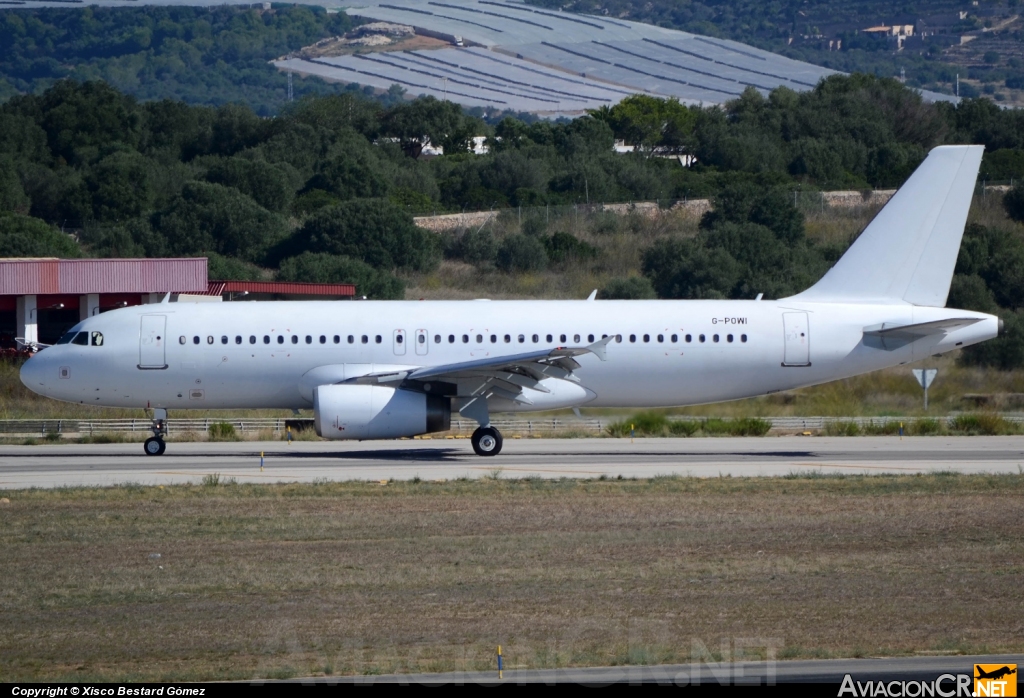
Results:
x,y
32,374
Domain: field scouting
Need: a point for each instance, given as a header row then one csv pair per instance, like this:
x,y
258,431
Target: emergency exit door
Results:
x,y
797,338
152,342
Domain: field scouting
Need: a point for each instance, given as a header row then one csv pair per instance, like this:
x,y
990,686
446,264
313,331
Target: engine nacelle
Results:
x,y
377,412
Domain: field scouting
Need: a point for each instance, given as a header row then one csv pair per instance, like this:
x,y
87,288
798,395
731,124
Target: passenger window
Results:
x,y
479,339
728,338
494,338
295,339
632,338
238,339
351,339
689,338
223,339
522,339
661,338
364,339
323,339
549,338
377,339
561,338
743,338
422,338
97,339
715,338
209,339
675,338
647,337
576,339
437,339
82,338
590,338
252,339
451,339
508,338
195,339
266,339
398,338
618,339
181,339
701,338
465,339
309,339
536,339
280,339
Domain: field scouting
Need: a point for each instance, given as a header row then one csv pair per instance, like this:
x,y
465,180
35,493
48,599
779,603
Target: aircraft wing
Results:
x,y
500,376
890,336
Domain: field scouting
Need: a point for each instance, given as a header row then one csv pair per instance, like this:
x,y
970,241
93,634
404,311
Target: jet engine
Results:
x,y
377,412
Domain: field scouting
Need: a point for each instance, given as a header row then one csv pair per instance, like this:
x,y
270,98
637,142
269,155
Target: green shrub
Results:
x,y
683,427
925,427
222,431
842,429
746,426
983,423
887,428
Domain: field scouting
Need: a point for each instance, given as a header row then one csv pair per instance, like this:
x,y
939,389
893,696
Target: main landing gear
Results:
x,y
155,445
487,441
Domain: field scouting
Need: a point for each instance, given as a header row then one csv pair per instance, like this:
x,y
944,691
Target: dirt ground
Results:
x,y
236,581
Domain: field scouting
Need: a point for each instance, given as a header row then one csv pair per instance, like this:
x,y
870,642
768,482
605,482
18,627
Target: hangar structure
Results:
x,y
510,55
40,299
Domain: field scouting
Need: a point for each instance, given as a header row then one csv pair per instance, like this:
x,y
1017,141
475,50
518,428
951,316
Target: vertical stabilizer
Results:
x,y
908,252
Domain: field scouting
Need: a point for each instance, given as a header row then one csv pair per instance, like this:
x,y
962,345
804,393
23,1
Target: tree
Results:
x,y
12,195
265,183
428,120
22,236
771,207
372,230
689,269
120,185
521,253
1013,202
327,268
649,122
215,218
631,288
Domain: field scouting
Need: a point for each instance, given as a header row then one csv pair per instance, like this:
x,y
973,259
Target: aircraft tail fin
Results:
x,y
908,252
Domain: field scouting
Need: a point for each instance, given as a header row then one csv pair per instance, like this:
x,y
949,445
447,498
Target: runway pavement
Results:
x,y
831,671
109,464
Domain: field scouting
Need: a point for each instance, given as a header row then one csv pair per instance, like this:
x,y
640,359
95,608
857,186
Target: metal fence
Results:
x,y
538,426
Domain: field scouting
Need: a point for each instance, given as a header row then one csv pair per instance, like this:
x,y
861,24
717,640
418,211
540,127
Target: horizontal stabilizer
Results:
x,y
908,252
890,336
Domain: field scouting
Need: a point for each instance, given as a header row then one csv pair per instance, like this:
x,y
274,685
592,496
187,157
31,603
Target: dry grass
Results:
x,y
271,581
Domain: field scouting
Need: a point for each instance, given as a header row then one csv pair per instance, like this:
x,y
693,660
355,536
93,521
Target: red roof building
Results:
x,y
40,299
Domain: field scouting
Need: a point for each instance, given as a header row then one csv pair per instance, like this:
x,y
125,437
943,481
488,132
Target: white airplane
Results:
x,y
388,369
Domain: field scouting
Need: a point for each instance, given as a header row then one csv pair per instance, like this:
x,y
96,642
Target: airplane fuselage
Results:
x,y
244,355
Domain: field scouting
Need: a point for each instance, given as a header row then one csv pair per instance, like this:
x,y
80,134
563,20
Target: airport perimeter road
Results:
x,y
727,673
109,464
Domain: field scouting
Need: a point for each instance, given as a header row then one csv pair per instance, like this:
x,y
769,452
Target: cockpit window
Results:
x,y
66,338
97,339
82,338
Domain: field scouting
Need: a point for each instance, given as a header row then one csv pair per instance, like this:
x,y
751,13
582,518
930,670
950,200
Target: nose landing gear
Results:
x,y
155,445
487,441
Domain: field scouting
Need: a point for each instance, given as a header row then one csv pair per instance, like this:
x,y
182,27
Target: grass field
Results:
x,y
223,580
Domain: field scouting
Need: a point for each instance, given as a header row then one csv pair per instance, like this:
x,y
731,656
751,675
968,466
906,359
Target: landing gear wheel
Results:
x,y
154,446
487,441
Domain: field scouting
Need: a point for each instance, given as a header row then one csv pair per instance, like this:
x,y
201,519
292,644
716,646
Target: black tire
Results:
x,y
487,441
154,446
